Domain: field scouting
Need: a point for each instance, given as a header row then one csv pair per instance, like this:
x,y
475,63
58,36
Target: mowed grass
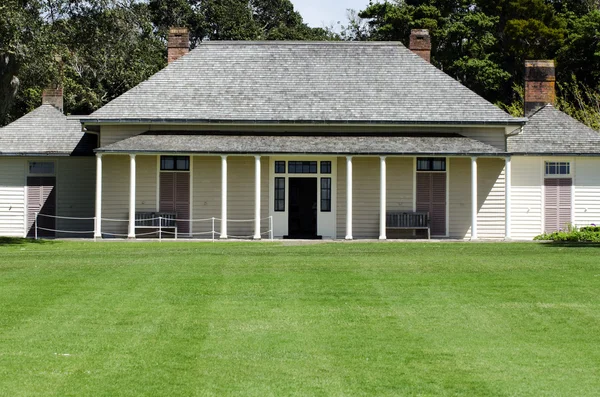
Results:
x,y
260,319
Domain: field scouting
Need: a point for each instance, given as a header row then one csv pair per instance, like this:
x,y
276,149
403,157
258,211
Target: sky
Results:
x,y
319,13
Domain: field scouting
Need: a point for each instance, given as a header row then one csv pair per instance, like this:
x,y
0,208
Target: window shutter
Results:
x,y
431,197
557,204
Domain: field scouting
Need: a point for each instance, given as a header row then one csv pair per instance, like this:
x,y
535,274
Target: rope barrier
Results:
x,y
65,217
160,228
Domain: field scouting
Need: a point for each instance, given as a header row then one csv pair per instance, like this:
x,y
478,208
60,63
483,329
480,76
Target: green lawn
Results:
x,y
262,319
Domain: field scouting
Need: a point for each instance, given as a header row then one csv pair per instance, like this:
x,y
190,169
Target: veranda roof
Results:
x,y
405,144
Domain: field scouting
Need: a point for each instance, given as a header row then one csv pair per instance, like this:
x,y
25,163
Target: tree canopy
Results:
x,y
98,49
484,44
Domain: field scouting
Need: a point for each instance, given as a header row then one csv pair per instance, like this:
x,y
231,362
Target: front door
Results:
x,y
302,220
41,198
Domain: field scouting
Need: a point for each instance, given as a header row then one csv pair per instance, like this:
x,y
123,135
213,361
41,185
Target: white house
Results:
x,y
324,139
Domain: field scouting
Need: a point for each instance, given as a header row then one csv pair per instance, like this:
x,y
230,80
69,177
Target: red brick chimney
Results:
x,y
178,43
54,97
540,82
420,43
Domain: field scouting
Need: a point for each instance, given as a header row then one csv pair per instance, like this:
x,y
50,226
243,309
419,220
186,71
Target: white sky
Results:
x,y
319,13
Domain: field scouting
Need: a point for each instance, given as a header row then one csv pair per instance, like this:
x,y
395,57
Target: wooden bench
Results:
x,y
408,220
156,220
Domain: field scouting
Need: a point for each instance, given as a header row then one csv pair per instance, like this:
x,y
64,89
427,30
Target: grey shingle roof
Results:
x,y
45,131
302,82
157,142
550,131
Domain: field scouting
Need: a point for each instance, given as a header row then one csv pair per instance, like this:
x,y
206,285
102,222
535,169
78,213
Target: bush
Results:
x,y
573,234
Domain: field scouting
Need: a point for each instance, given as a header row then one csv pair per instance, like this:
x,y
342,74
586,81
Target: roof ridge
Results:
x,y
298,42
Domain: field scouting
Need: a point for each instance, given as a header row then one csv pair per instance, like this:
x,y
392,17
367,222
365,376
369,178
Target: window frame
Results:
x,y
431,161
32,163
557,165
279,202
175,163
325,195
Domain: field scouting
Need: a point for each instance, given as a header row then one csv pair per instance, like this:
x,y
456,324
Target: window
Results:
x,y
431,164
558,168
325,167
41,167
174,163
279,194
302,167
280,167
325,194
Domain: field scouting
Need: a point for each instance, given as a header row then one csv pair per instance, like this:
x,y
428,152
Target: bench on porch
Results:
x,y
156,220
408,220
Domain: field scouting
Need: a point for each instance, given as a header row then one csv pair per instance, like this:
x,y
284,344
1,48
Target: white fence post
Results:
x,y
271,227
160,228
95,228
213,229
35,221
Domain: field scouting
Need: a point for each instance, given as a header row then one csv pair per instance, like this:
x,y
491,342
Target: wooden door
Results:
x,y
557,204
41,198
431,197
175,197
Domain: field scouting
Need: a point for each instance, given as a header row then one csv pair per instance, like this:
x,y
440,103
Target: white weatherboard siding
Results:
x,y
491,198
75,188
240,196
365,199
206,194
459,197
492,136
145,184
366,194
527,197
12,197
114,133
587,191
115,194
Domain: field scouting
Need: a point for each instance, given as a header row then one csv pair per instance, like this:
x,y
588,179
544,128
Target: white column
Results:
x,y
508,188
257,198
349,198
473,198
223,197
98,226
382,198
131,233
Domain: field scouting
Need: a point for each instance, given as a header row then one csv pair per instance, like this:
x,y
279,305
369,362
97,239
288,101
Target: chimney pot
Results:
x,y
540,81
420,43
54,97
178,43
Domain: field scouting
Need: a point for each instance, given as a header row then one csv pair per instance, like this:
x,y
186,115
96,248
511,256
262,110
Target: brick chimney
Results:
x,y
178,43
420,43
54,97
539,85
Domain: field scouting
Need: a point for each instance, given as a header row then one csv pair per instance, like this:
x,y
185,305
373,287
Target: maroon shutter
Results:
x,y
557,204
175,196
41,198
431,197
182,200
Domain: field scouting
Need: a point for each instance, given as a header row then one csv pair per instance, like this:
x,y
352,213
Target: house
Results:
x,y
322,140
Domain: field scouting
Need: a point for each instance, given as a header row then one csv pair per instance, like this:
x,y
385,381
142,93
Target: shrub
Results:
x,y
573,234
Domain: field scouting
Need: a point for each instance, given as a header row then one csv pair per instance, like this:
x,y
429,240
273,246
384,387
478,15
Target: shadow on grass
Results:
x,y
5,241
567,244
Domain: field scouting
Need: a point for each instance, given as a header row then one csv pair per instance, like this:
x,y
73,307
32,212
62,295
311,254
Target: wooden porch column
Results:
x,y
382,198
348,197
257,235
98,225
131,233
223,197
473,198
508,198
